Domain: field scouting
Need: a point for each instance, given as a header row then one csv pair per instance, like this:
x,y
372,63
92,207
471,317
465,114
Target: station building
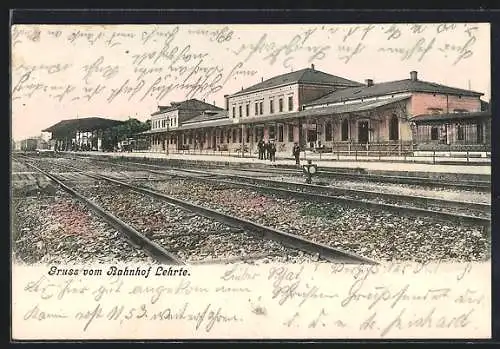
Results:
x,y
323,111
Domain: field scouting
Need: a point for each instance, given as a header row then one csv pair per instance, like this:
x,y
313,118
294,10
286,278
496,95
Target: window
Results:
x,y
394,128
290,103
234,135
280,102
290,133
240,135
248,135
261,108
256,108
247,110
434,133
460,132
171,122
163,122
280,133
240,111
271,106
328,132
272,133
234,112
345,130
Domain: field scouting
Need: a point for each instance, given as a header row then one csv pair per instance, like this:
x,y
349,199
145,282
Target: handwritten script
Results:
x,y
153,63
243,301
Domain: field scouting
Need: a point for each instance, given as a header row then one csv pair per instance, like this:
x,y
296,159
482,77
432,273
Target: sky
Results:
x,y
64,72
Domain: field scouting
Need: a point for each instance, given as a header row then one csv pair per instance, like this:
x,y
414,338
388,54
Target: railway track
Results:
x,y
395,203
259,231
344,175
422,181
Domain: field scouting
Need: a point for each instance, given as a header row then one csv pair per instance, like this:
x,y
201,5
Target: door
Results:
x,y
363,132
479,133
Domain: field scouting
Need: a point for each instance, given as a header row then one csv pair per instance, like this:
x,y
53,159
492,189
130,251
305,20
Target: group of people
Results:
x,y
267,151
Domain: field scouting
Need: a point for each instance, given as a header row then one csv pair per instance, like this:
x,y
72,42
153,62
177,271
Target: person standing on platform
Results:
x,y
272,151
296,153
260,145
266,150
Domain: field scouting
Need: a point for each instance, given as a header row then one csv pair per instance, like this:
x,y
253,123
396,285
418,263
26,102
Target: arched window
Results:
x,y
460,133
345,130
328,131
394,128
434,133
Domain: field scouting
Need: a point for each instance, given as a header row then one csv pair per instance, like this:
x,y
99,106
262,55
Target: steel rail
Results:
x,y
484,208
420,212
330,173
326,252
154,250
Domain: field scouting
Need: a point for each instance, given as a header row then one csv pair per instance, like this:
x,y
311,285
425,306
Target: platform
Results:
x,y
473,172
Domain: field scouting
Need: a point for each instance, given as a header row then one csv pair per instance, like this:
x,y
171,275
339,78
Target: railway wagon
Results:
x,y
29,145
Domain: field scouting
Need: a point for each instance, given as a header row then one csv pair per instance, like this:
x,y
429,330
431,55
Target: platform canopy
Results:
x,y
82,125
451,117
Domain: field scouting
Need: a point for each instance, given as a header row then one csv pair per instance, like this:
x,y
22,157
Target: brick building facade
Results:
x,y
323,111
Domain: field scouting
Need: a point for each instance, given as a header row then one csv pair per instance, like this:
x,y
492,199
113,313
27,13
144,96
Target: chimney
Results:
x,y
262,79
226,97
312,66
214,103
369,82
413,75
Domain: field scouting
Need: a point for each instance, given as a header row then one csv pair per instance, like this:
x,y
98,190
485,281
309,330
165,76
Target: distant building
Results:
x,y
167,120
32,144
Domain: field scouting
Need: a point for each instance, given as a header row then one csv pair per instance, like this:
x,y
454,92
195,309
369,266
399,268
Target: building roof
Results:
x,y
391,87
208,117
303,76
190,104
450,116
82,124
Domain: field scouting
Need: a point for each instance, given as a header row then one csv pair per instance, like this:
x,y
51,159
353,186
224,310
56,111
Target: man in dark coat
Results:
x,y
272,151
260,145
296,153
266,150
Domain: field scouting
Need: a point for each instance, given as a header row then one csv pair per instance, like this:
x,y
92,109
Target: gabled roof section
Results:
x,y
190,104
82,124
391,87
303,76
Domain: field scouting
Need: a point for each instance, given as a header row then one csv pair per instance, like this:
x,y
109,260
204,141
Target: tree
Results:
x,y
125,130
